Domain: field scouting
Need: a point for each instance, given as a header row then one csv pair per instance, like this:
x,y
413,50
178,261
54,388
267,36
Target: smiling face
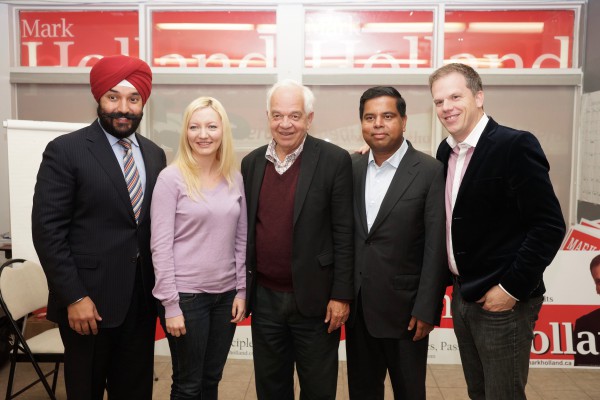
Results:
x,y
120,111
382,127
457,108
288,120
205,133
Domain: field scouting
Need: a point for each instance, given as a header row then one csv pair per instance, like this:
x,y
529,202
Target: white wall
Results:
x,y
5,113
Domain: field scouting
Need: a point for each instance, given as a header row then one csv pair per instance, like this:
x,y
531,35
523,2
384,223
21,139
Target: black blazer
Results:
x,y
507,224
83,226
322,253
400,268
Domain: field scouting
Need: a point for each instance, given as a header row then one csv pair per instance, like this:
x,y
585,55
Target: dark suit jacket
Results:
x,y
507,224
590,324
322,250
400,269
83,226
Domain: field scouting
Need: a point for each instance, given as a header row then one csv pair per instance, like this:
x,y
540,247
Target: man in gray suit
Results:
x,y
400,275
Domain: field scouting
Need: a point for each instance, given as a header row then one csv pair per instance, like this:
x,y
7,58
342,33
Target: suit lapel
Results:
x,y
260,163
310,158
404,176
484,145
359,189
149,166
104,154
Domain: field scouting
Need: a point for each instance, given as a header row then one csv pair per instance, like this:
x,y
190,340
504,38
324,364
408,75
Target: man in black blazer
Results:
x,y
400,275
504,226
299,252
93,239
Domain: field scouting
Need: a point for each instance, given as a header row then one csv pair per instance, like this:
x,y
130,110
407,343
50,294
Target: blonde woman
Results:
x,y
198,250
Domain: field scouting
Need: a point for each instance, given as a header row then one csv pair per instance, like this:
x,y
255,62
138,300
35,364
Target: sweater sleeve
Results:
x,y
240,242
162,212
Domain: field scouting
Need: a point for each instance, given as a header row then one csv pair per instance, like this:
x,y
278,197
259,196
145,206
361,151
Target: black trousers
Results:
x,y
119,360
281,336
369,358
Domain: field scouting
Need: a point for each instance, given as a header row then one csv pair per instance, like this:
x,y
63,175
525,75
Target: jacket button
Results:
x,y
133,260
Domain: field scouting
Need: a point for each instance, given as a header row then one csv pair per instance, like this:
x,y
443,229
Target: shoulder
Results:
x,y
170,180
425,160
592,317
507,135
75,137
324,146
148,144
358,157
333,154
170,172
238,180
254,154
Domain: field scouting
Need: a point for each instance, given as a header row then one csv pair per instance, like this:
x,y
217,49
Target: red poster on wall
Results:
x,y
76,38
510,39
403,39
368,39
209,39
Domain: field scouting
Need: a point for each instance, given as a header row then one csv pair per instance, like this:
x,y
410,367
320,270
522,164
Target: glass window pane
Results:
x,y
368,39
527,108
245,106
510,39
209,39
60,103
337,119
72,38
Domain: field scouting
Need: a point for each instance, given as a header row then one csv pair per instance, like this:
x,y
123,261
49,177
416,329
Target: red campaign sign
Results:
x,y
208,39
402,39
510,39
368,39
562,333
76,38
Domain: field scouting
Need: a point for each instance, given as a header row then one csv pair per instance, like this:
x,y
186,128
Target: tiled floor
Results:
x,y
444,382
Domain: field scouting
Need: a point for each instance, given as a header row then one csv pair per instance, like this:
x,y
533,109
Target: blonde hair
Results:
x,y
185,160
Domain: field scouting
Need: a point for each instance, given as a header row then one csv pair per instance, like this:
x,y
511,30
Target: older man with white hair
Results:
x,y
300,250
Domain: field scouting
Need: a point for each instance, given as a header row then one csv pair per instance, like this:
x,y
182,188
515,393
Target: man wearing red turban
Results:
x,y
91,231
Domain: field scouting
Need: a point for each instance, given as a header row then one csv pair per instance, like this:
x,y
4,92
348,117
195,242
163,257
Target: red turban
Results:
x,y
110,71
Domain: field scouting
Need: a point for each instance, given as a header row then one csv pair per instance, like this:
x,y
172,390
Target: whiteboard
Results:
x,y
26,143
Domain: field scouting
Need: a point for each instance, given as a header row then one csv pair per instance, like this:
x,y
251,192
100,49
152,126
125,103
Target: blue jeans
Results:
x,y
494,347
199,356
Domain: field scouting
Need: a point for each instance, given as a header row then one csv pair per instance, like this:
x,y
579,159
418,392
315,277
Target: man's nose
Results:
x,y
123,106
286,121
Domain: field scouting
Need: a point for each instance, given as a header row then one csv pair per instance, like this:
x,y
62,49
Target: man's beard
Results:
x,y
107,119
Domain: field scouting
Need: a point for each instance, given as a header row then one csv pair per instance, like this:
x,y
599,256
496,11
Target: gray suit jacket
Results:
x,y
400,265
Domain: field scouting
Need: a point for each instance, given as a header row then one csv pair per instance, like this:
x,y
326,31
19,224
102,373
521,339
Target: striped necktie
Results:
x,y
132,177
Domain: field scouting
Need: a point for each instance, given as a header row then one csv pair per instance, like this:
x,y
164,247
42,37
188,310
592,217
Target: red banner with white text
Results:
x,y
76,38
383,39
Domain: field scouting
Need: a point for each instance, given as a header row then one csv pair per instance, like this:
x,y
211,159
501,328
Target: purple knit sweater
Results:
x,y
197,246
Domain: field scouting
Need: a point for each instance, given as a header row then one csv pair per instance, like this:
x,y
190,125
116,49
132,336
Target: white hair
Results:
x,y
307,94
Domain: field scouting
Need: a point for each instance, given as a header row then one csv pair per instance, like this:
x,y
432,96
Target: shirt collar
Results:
x,y
395,159
271,154
473,138
113,140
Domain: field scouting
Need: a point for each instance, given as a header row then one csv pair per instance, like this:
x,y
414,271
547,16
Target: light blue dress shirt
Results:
x,y
379,179
137,155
